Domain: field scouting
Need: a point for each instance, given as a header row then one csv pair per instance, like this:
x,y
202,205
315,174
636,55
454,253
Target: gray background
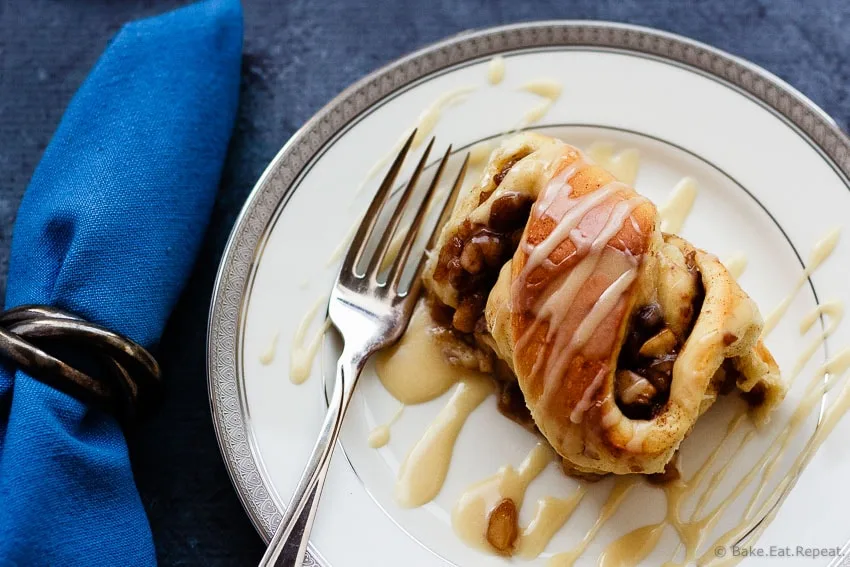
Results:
x,y
298,54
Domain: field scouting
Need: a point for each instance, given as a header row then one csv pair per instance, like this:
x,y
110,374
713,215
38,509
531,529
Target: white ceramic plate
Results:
x,y
772,174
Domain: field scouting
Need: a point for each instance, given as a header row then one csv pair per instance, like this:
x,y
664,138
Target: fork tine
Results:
x,y
370,217
397,268
377,259
448,206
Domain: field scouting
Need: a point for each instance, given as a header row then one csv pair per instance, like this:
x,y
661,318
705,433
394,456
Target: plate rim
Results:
x,y
276,185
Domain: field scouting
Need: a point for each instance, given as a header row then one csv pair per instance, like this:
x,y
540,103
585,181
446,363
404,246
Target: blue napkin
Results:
x,y
109,229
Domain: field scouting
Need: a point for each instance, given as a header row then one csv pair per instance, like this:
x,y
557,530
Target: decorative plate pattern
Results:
x,y
277,183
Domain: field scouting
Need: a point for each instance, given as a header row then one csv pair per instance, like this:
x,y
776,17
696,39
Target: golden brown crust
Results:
x,y
634,238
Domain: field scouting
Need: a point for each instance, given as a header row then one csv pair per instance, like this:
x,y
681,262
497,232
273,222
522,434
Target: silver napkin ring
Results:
x,y
98,366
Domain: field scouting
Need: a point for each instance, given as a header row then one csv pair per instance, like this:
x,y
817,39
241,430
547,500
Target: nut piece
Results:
x,y
471,259
633,389
503,527
662,343
491,248
467,313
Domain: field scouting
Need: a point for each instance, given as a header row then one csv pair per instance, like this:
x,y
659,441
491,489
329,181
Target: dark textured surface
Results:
x,y
298,55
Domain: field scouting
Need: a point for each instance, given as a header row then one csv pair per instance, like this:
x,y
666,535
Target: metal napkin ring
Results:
x,y
126,382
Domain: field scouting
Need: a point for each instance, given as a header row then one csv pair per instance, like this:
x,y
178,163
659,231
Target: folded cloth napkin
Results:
x,y
108,229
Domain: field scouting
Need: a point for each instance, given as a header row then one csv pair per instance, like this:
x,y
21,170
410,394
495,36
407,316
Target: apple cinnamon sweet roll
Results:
x,y
618,336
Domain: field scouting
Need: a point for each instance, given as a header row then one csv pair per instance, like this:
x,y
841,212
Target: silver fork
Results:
x,y
370,315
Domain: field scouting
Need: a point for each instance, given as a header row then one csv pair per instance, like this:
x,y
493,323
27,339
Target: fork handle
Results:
x,y
347,371
305,522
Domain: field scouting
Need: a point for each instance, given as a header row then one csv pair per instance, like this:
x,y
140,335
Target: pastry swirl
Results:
x,y
619,336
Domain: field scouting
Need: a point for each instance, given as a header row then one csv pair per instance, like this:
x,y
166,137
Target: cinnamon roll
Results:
x,y
617,335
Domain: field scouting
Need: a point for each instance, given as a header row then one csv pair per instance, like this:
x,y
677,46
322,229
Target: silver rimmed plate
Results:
x,y
771,170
